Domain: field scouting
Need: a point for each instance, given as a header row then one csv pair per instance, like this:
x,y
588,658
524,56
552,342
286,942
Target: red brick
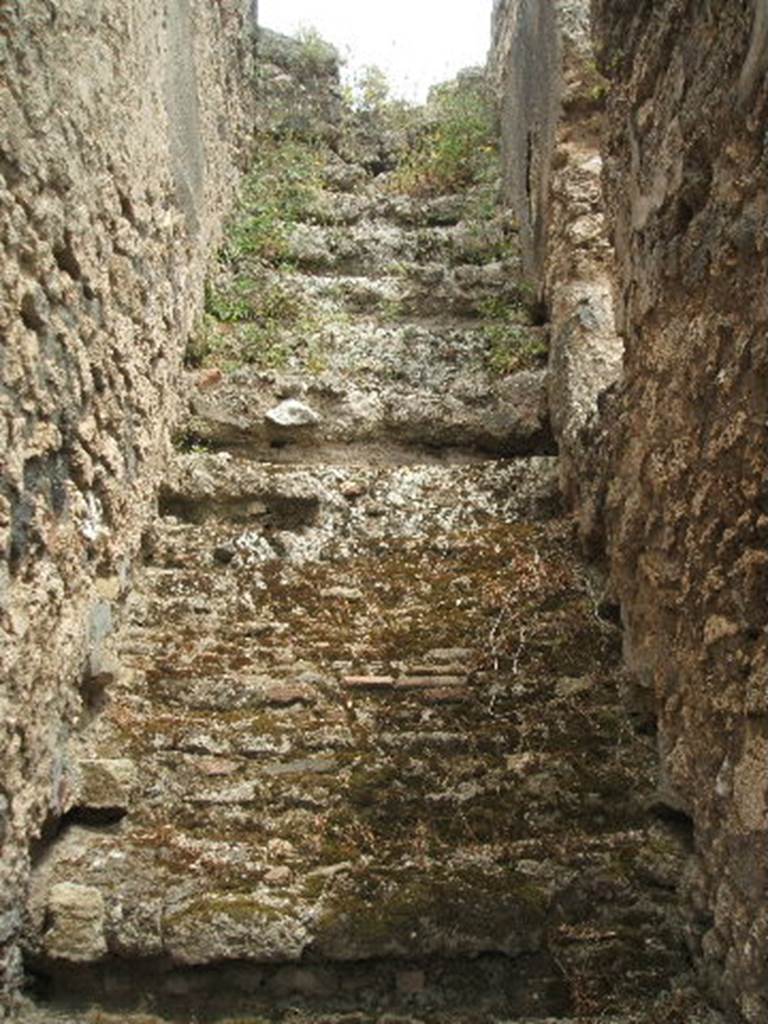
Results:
x,y
437,670
368,682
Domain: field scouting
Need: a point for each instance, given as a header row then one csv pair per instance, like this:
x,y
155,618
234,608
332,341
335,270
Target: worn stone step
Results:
x,y
406,211
305,514
412,289
500,415
210,902
372,248
315,986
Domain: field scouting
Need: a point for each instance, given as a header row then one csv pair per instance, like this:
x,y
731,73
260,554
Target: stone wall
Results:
x,y
669,478
683,464
121,128
550,97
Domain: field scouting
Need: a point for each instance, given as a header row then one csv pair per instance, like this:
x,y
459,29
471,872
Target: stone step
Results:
x,y
237,805
506,417
369,248
449,352
333,207
407,988
410,289
221,513
165,892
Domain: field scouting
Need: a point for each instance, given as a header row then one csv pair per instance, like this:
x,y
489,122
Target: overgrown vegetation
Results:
x,y
280,189
368,99
458,146
513,343
254,314
248,307
316,52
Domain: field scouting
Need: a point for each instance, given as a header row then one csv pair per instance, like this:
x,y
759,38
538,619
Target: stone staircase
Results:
x,y
366,758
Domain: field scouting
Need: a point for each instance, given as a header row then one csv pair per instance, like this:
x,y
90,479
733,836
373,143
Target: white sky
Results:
x,y
417,42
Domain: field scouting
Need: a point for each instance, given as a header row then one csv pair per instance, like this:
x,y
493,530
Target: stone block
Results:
x,y
106,783
304,981
77,915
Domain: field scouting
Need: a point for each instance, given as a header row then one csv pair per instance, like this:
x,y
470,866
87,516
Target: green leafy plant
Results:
x,y
279,191
231,303
317,53
512,342
458,147
369,90
368,100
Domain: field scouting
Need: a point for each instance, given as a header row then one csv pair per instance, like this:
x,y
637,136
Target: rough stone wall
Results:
x,y
299,90
669,479
120,129
550,97
682,471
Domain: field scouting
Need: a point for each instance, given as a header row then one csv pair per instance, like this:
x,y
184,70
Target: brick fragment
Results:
x,y
285,694
437,670
208,378
216,765
368,682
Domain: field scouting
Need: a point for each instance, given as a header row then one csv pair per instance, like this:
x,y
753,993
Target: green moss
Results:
x,y
407,909
242,908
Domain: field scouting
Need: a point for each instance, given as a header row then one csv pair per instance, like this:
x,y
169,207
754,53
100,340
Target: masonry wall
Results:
x,y
122,127
683,447
665,461
551,97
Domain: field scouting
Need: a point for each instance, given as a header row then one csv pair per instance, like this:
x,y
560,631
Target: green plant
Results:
x,y
192,444
392,308
245,322
369,90
230,303
458,147
593,85
279,191
317,53
512,348
512,344
369,101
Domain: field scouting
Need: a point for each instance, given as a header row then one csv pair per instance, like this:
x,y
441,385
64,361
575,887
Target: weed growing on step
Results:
x,y
512,343
268,346
316,53
247,321
368,100
248,307
279,191
459,146
192,444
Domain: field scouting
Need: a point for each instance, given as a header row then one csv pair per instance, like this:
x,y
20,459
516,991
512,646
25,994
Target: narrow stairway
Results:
x,y
366,758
